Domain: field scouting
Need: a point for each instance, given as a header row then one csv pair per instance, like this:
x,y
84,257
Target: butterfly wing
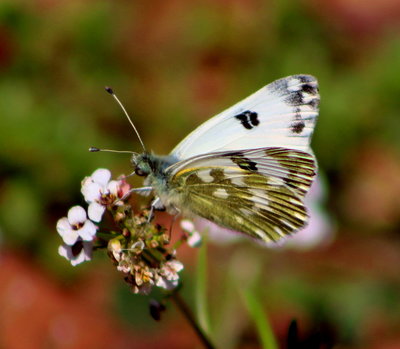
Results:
x,y
282,113
257,192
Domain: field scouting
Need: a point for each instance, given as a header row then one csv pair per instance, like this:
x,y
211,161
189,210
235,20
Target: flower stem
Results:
x,y
183,307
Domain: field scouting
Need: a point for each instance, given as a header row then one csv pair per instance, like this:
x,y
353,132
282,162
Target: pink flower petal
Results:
x,y
88,231
319,231
187,225
194,239
166,284
124,188
71,237
175,265
87,249
80,258
101,176
65,251
76,215
113,187
85,253
65,230
161,282
91,191
216,233
63,226
95,211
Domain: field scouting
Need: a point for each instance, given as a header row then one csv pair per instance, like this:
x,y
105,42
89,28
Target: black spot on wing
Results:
x,y
305,79
298,124
248,119
298,98
244,121
314,103
306,93
244,163
297,127
309,89
254,119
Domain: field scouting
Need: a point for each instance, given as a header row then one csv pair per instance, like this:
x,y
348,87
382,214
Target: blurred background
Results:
x,y
175,63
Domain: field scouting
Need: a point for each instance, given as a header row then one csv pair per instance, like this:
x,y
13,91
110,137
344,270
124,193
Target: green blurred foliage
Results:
x,y
174,64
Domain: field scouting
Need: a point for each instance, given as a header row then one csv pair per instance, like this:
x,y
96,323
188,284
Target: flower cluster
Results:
x,y
139,248
145,257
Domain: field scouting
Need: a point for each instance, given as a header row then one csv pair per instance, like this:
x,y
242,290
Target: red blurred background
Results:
x,y
175,63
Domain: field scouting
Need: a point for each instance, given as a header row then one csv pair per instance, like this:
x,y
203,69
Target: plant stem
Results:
x,y
183,307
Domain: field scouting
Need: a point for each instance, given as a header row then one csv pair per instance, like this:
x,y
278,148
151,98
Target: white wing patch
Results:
x,y
281,114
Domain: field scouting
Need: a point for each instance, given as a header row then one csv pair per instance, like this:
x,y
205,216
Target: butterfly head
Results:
x,y
142,164
145,164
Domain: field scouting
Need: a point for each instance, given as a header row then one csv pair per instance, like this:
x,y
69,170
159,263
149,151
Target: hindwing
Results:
x,y
257,192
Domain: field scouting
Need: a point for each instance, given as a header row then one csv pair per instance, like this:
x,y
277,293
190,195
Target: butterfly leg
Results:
x,y
173,222
155,205
144,191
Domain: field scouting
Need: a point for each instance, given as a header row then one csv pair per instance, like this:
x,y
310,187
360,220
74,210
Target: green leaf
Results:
x,y
201,289
254,307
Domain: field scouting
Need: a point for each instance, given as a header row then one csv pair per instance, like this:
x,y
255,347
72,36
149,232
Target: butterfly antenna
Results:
x,y
94,150
111,92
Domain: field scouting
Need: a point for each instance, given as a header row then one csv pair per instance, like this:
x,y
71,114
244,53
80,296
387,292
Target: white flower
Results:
x,y
124,267
80,252
217,233
76,226
187,225
168,276
194,239
99,192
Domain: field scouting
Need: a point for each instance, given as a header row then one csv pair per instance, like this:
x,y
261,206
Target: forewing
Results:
x,y
257,192
282,113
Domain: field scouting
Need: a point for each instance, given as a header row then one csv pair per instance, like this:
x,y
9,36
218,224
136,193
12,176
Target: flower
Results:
x,y
139,249
78,253
217,233
194,238
99,192
141,270
76,226
168,276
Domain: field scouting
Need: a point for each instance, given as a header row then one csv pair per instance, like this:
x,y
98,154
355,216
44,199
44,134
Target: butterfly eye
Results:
x,y
140,172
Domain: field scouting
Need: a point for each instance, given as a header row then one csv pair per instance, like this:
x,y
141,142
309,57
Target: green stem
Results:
x,y
183,307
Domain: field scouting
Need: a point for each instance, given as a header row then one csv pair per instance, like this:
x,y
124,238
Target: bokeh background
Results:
x,y
174,63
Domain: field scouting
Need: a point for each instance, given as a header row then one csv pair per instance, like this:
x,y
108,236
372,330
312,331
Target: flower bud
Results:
x,y
156,308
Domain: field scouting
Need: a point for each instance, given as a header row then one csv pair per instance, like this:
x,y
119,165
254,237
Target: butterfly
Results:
x,y
248,168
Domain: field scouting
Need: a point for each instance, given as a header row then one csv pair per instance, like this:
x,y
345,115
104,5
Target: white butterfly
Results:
x,y
246,169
